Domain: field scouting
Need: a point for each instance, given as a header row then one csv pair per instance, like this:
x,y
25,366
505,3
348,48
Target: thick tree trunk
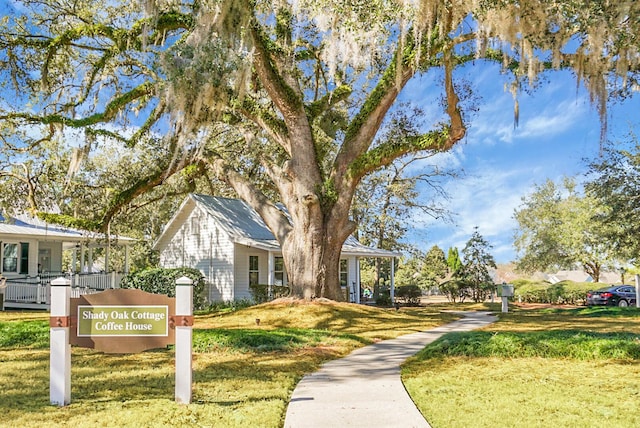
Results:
x,y
312,261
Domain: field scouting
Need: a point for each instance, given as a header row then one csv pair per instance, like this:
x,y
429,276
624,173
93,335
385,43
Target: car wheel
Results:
x,y
623,303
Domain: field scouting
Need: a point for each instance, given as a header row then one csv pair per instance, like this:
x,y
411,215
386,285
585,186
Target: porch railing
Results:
x,y
35,290
25,292
97,281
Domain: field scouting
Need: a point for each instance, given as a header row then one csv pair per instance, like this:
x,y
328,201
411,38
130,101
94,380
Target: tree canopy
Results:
x,y
614,181
559,228
435,268
476,264
281,101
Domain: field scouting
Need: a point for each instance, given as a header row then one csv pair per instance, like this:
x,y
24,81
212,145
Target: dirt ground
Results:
x,y
425,300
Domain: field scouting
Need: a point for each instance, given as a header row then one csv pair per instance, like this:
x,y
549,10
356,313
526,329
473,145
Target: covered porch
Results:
x,y
33,253
350,270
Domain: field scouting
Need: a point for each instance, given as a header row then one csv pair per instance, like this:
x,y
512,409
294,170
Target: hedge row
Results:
x,y
163,281
564,292
408,294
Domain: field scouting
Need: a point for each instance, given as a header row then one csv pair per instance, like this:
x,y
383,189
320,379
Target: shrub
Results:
x,y
163,281
564,292
575,293
260,292
456,290
383,300
382,295
409,294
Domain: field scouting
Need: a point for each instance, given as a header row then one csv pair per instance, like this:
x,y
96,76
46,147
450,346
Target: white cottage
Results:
x,y
230,244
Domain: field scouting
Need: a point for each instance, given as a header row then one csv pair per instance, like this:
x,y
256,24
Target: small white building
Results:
x,y
230,244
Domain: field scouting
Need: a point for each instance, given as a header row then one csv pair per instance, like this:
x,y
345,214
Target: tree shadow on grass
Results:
x,y
95,377
332,316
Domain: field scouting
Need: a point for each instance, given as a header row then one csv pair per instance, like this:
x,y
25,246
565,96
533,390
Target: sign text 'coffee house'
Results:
x,y
122,320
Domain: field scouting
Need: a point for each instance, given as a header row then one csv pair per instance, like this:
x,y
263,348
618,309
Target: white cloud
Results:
x,y
558,129
545,113
486,198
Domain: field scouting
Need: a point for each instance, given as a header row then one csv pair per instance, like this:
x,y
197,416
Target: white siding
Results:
x,y
219,269
198,243
173,254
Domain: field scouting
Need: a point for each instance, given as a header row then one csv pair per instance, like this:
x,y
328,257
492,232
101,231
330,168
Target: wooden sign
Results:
x,y
123,321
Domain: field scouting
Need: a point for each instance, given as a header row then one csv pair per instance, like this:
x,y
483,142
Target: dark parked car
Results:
x,y
616,295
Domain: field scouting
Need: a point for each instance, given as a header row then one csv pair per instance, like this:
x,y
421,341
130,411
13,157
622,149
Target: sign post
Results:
x,y
119,321
184,339
60,355
507,291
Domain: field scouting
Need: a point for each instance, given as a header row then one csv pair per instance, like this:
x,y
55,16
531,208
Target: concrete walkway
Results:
x,y
364,389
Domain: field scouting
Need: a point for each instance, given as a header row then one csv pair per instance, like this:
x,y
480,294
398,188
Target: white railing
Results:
x,y
80,291
24,292
98,281
36,290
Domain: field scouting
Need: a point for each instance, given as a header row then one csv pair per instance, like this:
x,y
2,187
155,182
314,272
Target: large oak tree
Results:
x,y
282,100
559,228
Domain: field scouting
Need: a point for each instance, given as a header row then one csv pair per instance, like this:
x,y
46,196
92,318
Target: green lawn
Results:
x,y
534,368
558,368
243,373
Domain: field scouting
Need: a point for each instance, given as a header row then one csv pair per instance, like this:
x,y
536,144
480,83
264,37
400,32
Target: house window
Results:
x,y
194,225
253,270
24,258
15,258
278,270
343,272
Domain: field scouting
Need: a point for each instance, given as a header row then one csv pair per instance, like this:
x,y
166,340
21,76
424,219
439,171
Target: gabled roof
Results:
x,y
244,226
25,226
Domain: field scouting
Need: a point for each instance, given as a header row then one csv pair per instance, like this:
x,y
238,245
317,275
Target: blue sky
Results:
x,y
557,130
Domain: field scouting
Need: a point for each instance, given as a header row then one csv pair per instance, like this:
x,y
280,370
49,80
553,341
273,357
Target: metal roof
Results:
x,y
26,226
245,226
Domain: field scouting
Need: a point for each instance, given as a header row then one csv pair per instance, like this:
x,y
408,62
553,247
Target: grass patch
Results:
x,y
246,340
31,334
243,375
528,392
536,368
575,344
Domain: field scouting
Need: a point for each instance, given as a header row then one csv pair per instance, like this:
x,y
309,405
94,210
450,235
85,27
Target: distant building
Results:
x,y
581,276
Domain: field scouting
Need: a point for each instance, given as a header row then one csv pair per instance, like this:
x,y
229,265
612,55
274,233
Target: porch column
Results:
x,y
106,258
358,287
392,293
90,249
270,278
82,263
74,257
126,259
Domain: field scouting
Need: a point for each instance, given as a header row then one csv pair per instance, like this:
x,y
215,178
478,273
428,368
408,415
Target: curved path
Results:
x,y
364,388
